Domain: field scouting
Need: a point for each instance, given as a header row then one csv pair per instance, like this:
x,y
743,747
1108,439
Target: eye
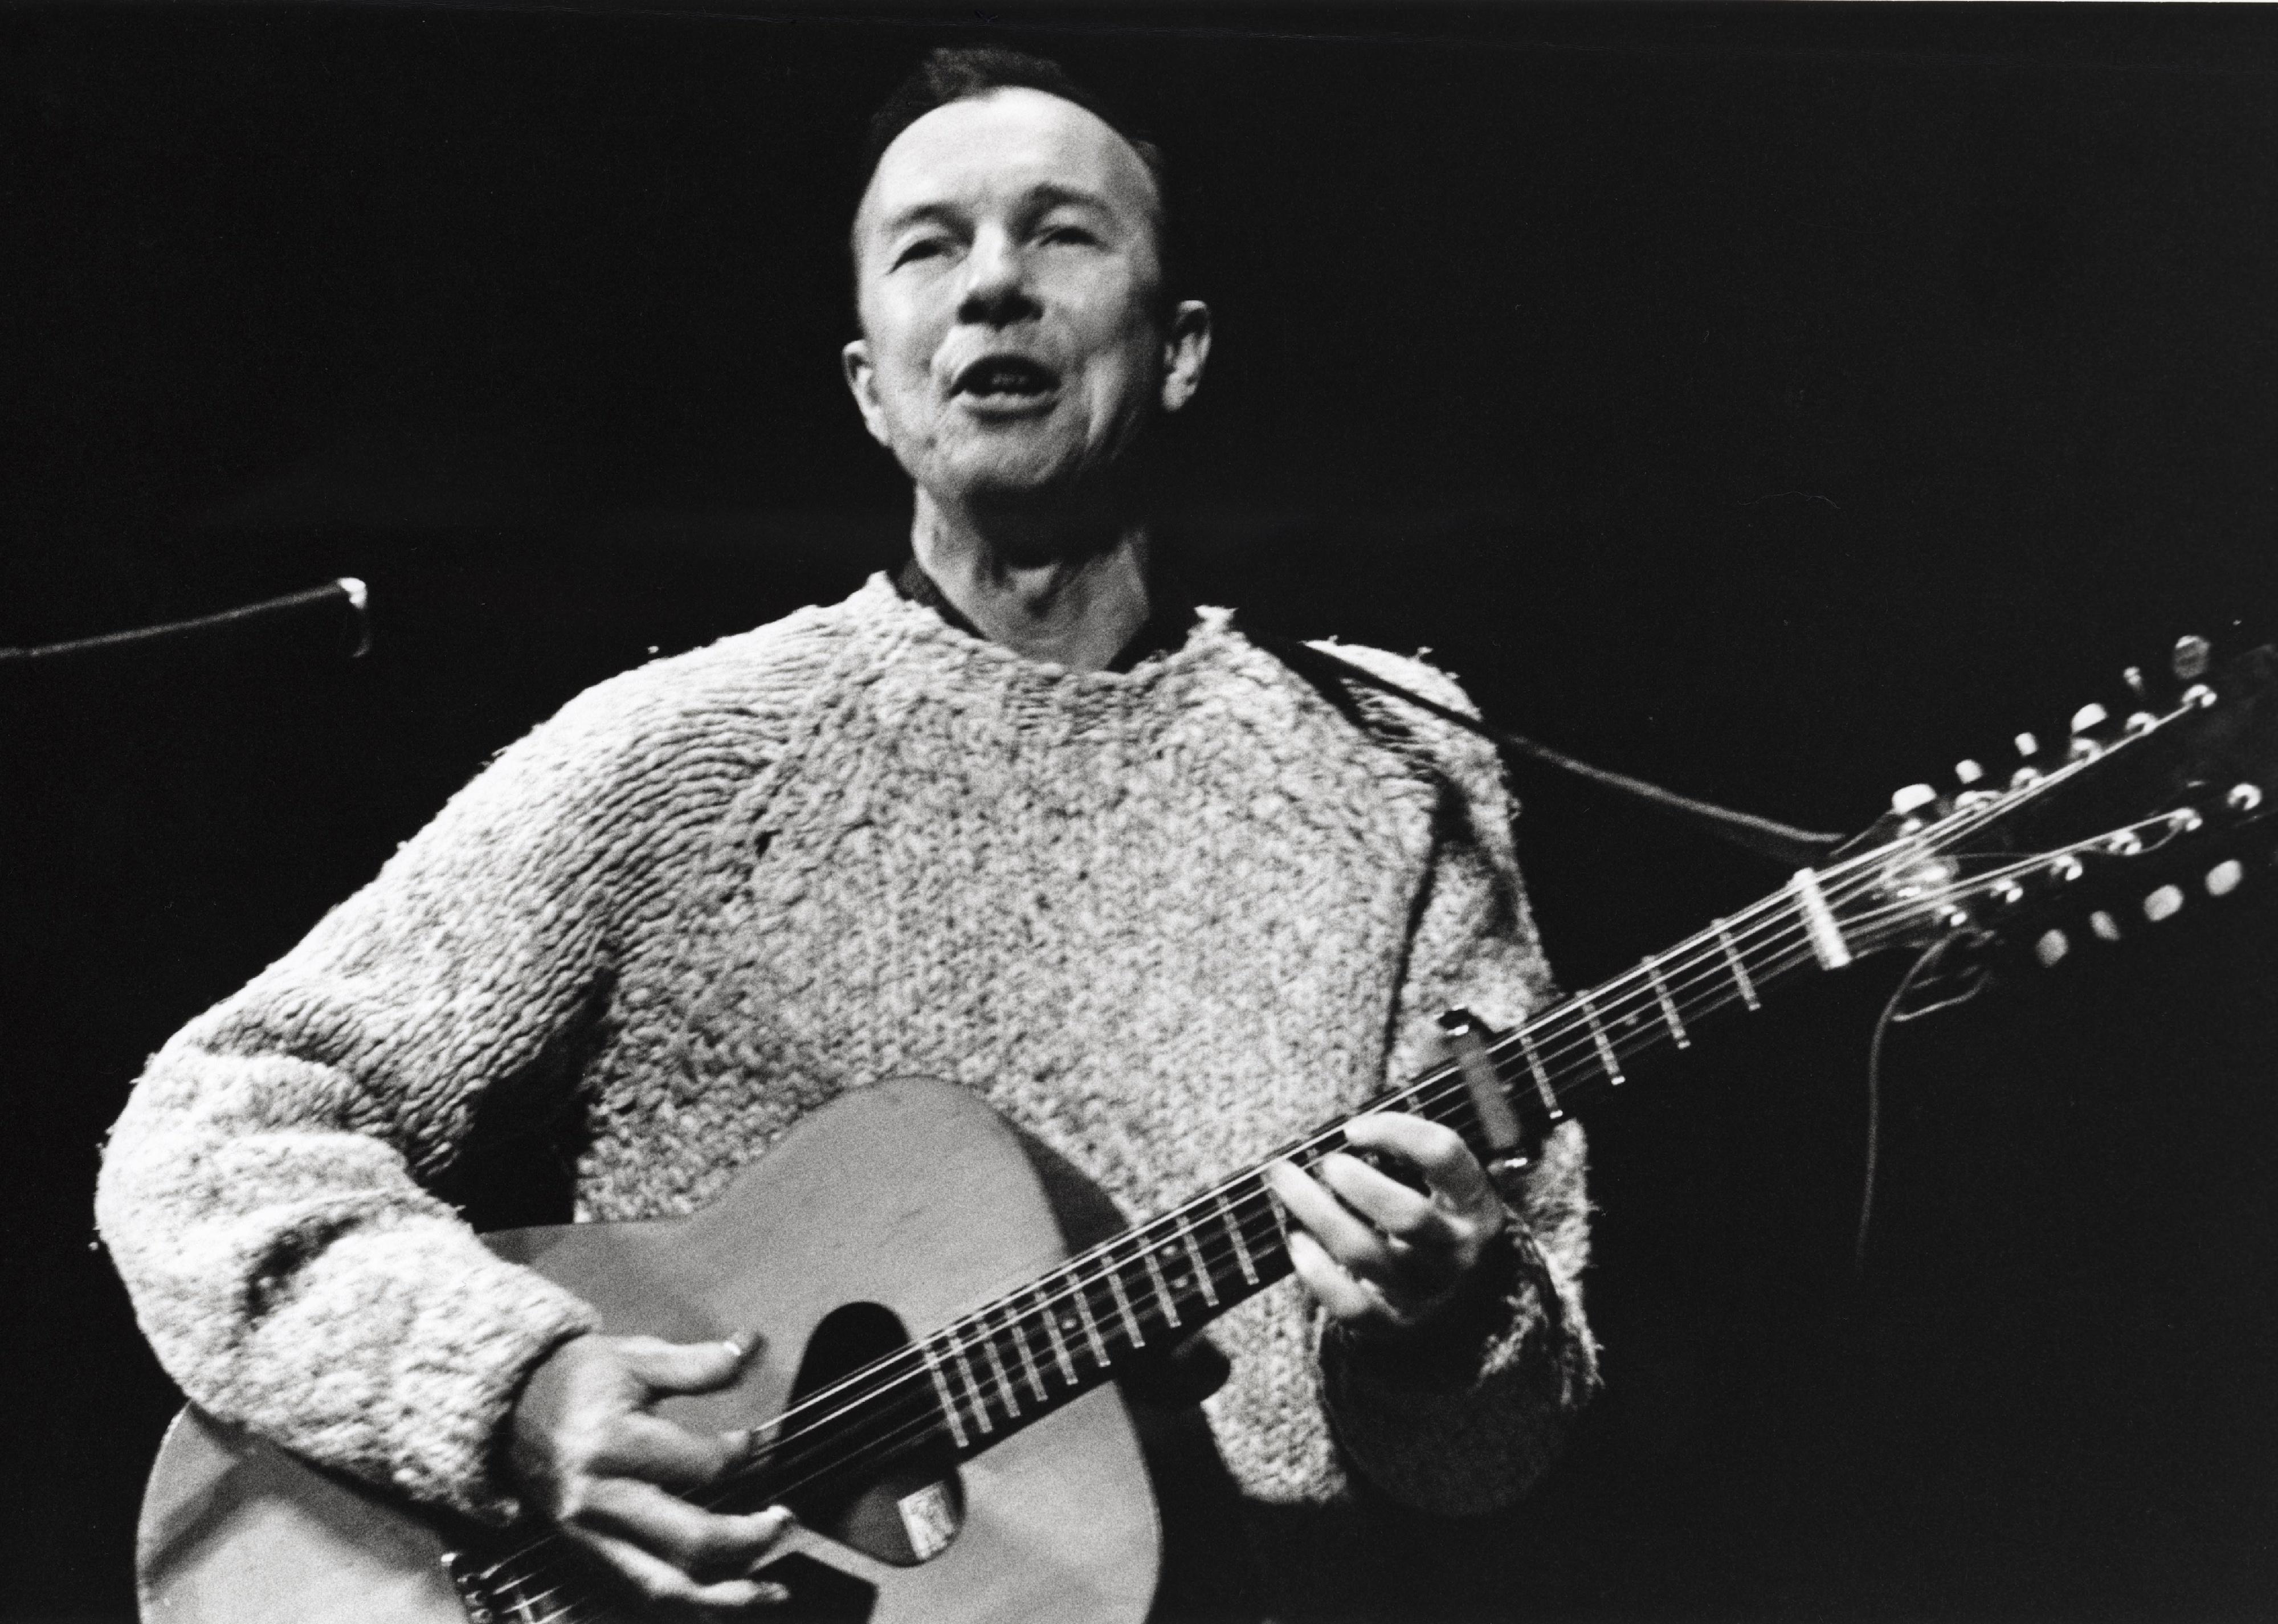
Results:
x,y
917,249
1063,233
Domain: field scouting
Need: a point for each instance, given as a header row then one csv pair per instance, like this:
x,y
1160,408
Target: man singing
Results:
x,y
1011,818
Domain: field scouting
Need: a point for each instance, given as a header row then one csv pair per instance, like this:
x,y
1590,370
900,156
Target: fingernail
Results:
x,y
769,1594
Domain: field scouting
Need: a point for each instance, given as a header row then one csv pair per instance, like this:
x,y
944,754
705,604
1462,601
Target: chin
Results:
x,y
1009,477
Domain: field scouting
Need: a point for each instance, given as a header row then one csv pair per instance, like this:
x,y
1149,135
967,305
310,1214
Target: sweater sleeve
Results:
x,y
1464,1418
264,1195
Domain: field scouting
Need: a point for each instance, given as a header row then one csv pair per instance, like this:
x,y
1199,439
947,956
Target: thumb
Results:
x,y
688,1366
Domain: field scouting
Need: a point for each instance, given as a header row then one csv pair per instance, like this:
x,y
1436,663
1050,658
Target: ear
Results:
x,y
1186,348
862,380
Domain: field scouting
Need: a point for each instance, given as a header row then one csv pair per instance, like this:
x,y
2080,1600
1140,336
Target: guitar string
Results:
x,y
1613,1006
931,1424
1547,1053
1075,1279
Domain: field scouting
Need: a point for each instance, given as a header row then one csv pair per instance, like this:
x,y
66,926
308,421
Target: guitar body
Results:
x,y
910,1195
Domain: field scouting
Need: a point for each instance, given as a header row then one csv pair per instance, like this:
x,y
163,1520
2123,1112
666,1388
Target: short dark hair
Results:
x,y
966,72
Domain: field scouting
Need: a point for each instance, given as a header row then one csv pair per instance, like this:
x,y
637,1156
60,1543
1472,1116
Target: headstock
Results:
x,y
2135,816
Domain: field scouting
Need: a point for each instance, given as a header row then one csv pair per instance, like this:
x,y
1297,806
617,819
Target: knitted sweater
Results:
x,y
1163,920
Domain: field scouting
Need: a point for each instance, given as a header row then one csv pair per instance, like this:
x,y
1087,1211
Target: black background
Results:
x,y
1779,403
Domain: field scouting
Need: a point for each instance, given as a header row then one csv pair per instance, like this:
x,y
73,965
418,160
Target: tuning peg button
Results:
x,y
1966,772
1908,802
2191,658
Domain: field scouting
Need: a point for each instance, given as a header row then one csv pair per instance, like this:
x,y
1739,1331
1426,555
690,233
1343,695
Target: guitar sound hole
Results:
x,y
875,1471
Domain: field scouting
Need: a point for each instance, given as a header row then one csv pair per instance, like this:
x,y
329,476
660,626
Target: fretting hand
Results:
x,y
1381,1258
585,1446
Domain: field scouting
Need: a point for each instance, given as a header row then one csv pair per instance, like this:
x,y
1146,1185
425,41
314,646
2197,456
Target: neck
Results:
x,y
1073,594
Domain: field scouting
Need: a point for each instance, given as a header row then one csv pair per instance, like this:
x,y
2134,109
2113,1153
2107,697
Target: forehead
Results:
x,y
999,148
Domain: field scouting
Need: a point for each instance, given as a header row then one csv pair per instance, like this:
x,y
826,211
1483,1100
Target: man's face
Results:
x,y
1009,288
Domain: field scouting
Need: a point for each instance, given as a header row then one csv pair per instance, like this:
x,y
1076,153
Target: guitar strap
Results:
x,y
1780,843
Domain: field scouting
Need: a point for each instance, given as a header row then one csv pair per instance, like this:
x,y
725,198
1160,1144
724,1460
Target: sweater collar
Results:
x,y
1170,616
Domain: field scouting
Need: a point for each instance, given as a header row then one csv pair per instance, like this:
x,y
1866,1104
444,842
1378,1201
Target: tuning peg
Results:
x,y
2192,657
2052,947
2225,877
2027,747
1970,774
1908,802
2243,797
2164,903
2106,927
2134,678
2087,724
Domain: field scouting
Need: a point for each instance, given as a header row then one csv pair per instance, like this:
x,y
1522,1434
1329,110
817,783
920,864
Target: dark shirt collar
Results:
x,y
1169,615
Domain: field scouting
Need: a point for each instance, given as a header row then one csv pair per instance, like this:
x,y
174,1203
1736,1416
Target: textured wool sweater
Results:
x,y
1162,919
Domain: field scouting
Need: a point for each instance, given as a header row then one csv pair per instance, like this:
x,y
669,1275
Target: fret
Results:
x,y
1162,1288
1281,1219
1668,1004
1052,1329
1739,970
972,1388
1202,1270
1543,1089
1090,1325
1606,1057
1240,1248
1027,1359
997,1368
1123,1305
940,1389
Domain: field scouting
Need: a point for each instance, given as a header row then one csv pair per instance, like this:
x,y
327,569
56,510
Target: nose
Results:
x,y
997,292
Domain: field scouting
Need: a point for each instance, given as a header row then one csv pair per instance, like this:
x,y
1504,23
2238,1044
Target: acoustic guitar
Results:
x,y
938,1396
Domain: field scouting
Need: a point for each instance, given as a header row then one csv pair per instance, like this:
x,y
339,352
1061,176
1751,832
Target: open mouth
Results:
x,y
1007,378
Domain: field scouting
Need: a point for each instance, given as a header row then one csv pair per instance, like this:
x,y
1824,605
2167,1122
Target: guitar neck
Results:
x,y
1016,1359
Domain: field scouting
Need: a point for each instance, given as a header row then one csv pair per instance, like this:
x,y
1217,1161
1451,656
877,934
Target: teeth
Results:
x,y
1007,377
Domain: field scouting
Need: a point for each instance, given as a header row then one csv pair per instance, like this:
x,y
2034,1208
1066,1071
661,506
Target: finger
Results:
x,y
1345,1297
1346,1237
1428,1249
663,1585
692,1540
1433,1149
686,1366
1387,1203
656,1451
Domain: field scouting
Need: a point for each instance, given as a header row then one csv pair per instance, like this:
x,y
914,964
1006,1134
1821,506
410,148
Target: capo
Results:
x,y
1510,1149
